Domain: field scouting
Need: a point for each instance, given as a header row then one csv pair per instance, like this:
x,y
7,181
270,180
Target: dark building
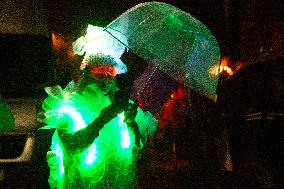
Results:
x,y
251,105
261,30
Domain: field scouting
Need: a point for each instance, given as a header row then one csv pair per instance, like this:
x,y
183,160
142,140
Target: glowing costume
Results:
x,y
96,127
93,147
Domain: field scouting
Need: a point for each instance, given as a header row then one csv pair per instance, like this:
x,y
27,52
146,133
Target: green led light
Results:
x,y
91,154
77,120
125,138
109,156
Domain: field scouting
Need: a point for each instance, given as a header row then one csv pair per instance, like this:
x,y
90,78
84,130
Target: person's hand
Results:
x,y
130,113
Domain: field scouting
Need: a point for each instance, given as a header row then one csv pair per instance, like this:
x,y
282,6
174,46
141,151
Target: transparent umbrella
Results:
x,y
174,41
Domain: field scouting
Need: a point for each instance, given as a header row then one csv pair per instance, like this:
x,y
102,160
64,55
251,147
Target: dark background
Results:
x,y
237,24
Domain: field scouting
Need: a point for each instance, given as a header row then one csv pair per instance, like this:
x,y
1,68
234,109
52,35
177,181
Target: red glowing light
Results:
x,y
103,72
57,41
224,61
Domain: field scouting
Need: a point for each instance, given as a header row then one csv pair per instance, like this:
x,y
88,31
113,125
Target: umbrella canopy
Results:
x,y
174,41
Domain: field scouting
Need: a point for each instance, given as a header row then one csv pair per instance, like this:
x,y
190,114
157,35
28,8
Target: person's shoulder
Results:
x,y
123,80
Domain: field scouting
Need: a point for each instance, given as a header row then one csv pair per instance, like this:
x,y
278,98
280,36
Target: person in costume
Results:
x,y
98,126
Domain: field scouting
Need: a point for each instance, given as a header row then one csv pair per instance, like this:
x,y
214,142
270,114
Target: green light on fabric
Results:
x,y
91,154
125,138
58,152
109,157
78,121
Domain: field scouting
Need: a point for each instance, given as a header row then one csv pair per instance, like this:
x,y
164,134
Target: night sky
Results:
x,y
71,17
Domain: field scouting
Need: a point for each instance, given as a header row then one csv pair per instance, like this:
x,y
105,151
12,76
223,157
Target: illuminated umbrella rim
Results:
x,y
201,32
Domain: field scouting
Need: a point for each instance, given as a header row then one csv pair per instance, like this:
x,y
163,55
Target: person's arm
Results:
x,y
130,115
86,136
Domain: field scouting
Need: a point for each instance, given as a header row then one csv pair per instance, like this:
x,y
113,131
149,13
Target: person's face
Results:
x,y
103,72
